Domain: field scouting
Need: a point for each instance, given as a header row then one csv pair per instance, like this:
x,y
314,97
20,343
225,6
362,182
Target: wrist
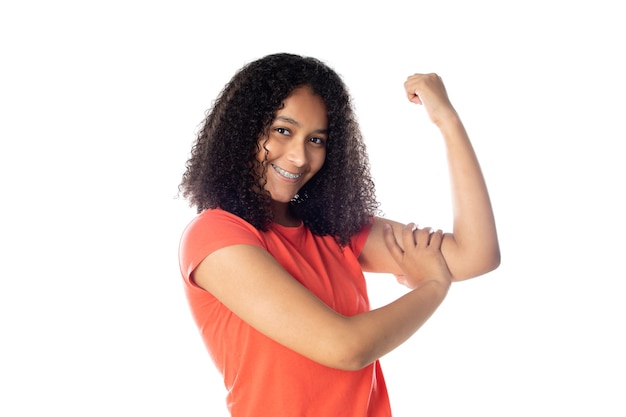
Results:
x,y
447,119
435,286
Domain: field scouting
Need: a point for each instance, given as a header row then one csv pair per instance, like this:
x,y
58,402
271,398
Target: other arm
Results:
x,y
472,248
265,296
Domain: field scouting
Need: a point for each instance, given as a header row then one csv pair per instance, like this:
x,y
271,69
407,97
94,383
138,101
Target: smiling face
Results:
x,y
295,148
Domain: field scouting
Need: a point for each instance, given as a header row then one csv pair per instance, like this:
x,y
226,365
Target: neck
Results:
x,y
283,215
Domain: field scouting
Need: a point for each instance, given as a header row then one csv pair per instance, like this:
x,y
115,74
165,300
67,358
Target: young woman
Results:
x,y
273,263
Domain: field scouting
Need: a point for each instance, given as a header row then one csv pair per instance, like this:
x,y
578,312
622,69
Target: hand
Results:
x,y
421,259
429,91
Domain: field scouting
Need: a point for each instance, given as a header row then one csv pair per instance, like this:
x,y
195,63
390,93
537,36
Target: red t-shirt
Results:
x,y
262,377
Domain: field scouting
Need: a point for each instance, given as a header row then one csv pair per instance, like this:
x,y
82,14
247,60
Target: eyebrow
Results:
x,y
295,123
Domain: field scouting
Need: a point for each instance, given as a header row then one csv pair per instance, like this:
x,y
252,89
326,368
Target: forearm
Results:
x,y
473,248
375,333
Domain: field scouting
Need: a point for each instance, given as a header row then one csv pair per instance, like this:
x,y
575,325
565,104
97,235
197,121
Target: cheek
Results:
x,y
319,161
323,158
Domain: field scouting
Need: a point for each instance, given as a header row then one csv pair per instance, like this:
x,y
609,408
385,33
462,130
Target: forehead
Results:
x,y
303,104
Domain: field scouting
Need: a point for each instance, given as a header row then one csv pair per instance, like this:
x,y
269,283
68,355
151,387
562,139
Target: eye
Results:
x,y
282,131
318,141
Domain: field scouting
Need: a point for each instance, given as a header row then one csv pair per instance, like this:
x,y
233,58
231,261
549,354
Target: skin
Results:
x,y
295,147
472,248
425,261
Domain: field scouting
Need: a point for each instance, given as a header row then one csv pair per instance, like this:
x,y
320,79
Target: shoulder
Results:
x,y
215,220
374,256
211,230
357,242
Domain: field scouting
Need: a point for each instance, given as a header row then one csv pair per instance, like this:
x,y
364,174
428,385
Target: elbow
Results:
x,y
354,361
490,265
496,260
479,264
348,358
473,258
493,259
351,352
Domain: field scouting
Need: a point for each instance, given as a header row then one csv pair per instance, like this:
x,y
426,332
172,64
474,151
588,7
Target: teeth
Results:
x,y
285,173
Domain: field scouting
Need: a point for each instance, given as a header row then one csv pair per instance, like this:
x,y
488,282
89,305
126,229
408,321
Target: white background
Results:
x,y
99,104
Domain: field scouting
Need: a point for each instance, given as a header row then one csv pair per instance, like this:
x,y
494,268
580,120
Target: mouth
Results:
x,y
286,174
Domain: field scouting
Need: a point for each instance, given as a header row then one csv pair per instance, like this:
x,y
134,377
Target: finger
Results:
x,y
410,87
416,99
436,238
408,235
422,236
411,94
392,244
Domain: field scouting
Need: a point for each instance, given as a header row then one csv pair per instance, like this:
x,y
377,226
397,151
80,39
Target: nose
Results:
x,y
297,153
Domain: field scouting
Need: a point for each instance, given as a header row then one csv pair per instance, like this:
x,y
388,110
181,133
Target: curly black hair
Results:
x,y
223,170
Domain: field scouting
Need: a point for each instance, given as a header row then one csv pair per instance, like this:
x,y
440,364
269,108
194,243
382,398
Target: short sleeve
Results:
x,y
357,242
212,230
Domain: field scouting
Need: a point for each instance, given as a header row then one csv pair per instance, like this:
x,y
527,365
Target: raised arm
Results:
x,y
265,296
472,248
